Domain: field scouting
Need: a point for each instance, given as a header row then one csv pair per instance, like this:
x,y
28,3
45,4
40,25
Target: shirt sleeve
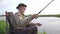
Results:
x,y
21,22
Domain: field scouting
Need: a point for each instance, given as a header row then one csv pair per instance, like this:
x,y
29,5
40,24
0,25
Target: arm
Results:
x,y
35,24
24,22
21,22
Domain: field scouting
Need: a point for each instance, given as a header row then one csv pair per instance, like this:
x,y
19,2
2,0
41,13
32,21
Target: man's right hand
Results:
x,y
34,16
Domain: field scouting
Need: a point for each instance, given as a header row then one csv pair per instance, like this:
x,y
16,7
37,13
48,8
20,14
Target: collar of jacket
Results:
x,y
21,15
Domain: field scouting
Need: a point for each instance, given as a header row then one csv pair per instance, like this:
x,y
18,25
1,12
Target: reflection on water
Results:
x,y
50,24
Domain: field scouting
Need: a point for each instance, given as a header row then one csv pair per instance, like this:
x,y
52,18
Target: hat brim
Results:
x,y
20,6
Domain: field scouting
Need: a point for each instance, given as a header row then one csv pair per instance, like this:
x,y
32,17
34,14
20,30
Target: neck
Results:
x,y
21,13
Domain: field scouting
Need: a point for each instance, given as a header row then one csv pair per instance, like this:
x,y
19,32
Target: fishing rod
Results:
x,y
45,6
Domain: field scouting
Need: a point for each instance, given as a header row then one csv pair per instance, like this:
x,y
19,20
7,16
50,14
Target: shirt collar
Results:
x,y
18,13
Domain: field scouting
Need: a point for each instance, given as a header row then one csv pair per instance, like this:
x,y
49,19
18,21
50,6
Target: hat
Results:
x,y
21,4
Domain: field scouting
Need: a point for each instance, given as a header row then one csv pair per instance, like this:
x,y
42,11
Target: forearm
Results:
x,y
22,22
32,24
29,19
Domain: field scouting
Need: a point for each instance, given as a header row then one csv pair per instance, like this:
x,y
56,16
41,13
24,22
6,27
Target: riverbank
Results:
x,y
57,15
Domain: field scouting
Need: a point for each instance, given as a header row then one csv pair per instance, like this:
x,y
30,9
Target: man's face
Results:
x,y
22,9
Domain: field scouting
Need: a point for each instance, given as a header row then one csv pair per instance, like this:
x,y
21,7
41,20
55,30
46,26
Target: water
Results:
x,y
3,18
50,24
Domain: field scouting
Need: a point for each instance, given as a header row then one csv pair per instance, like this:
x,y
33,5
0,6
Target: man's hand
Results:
x,y
38,24
34,16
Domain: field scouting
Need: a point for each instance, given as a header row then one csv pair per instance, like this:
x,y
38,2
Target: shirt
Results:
x,y
20,20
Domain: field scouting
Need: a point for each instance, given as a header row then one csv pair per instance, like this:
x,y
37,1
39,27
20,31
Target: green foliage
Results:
x,y
44,32
2,27
52,15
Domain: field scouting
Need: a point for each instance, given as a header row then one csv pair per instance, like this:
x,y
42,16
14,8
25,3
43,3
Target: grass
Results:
x,y
3,28
44,32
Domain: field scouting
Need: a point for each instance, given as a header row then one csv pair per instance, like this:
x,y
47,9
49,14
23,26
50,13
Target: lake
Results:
x,y
50,24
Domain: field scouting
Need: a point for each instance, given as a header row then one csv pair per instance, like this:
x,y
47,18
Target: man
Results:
x,y
25,24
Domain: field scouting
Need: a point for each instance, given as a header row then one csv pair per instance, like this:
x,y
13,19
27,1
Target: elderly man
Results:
x,y
23,24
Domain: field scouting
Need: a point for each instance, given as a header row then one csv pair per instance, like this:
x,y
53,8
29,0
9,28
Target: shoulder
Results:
x,y
16,14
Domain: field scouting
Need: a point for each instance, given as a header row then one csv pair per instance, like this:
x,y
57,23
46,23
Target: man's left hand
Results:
x,y
38,24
